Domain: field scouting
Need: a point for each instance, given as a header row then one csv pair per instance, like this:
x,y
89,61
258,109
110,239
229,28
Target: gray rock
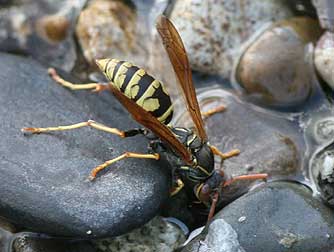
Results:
x,y
44,186
268,142
280,216
325,13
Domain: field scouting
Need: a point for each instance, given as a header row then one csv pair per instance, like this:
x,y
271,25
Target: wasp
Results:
x,y
147,100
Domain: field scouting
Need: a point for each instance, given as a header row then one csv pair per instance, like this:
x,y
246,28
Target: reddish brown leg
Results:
x,y
213,206
263,176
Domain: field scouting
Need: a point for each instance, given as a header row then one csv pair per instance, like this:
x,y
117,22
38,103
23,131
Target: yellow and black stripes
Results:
x,y
140,87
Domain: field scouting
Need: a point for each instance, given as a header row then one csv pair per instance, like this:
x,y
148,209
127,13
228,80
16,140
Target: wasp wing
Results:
x,y
147,120
179,59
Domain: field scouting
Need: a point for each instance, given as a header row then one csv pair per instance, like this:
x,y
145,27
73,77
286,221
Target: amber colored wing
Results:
x,y
179,59
147,120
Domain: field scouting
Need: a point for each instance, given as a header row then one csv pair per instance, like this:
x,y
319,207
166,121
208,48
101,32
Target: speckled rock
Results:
x,y
322,172
157,235
283,76
44,186
42,29
214,30
30,242
324,58
281,216
108,29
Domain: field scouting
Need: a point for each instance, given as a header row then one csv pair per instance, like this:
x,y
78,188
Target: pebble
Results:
x,y
322,172
324,58
108,29
276,68
44,185
43,29
276,215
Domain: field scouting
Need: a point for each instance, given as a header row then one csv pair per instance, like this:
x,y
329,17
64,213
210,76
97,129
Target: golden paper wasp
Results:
x,y
187,150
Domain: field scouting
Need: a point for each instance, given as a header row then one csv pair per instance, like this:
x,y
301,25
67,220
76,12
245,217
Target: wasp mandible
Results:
x,y
147,100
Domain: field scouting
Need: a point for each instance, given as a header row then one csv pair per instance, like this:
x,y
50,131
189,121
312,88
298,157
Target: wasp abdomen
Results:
x,y
139,86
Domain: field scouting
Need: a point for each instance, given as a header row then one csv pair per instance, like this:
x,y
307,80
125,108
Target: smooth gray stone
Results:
x,y
281,216
43,182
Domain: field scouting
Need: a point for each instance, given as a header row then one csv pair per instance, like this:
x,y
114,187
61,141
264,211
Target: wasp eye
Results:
x,y
205,189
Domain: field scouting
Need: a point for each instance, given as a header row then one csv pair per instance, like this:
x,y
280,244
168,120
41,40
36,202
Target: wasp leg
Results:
x,y
96,87
215,110
256,176
178,188
213,206
99,168
232,153
89,123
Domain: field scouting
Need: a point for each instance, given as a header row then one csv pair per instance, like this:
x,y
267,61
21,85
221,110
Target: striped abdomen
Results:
x,y
140,87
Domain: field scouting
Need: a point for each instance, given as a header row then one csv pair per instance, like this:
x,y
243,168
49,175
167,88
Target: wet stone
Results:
x,y
44,185
284,76
280,216
268,143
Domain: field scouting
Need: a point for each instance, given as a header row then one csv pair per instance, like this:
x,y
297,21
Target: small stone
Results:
x,y
43,29
324,130
281,76
242,219
107,29
324,58
322,172
214,30
277,223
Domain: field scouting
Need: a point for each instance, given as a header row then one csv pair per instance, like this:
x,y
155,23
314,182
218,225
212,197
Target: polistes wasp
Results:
x,y
147,100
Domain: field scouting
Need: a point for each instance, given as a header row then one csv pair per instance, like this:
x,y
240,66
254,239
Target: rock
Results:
x,y
108,29
214,30
157,235
322,172
324,130
42,29
274,220
44,185
325,13
5,236
268,143
283,76
29,242
324,58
